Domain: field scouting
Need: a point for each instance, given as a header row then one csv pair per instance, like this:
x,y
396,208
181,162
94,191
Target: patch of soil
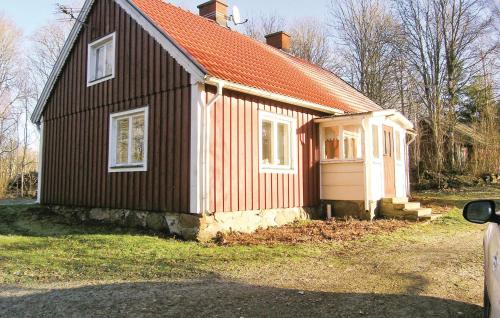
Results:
x,y
312,232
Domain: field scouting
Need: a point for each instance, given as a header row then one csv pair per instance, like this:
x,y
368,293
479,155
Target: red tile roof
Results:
x,y
234,57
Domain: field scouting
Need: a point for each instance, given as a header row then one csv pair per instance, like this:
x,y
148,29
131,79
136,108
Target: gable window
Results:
x,y
277,139
101,60
128,140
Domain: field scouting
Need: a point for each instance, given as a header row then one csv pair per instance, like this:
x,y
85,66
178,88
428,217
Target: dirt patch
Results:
x,y
313,232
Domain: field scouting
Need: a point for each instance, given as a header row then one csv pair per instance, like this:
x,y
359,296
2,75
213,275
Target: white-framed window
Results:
x,y
101,60
376,142
397,138
332,143
128,140
341,143
352,142
277,140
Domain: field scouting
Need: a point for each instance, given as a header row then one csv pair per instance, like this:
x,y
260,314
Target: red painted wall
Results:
x,y
76,123
236,184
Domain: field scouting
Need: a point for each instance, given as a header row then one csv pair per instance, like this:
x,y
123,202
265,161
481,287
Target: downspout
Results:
x,y
206,147
412,140
365,163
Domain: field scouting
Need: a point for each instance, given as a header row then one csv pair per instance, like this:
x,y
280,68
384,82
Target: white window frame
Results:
x,y
342,134
91,59
129,167
276,119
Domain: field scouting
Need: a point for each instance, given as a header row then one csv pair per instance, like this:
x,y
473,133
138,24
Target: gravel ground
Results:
x,y
215,298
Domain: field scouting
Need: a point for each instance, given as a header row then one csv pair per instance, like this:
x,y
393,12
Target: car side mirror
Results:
x,y
481,212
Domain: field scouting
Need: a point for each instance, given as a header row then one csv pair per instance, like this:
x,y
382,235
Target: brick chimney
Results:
x,y
215,10
279,40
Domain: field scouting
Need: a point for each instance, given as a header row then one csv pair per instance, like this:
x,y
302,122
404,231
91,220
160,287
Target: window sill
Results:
x,y
328,161
277,170
100,80
128,168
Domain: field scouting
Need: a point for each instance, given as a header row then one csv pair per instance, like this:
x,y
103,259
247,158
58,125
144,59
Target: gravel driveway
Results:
x,y
215,298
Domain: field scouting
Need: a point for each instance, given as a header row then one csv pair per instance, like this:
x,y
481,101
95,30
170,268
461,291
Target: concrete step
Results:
x,y
407,206
395,200
420,212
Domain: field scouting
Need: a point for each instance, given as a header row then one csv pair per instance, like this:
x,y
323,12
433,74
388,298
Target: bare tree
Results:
x,y
310,42
263,24
9,60
422,26
47,43
369,38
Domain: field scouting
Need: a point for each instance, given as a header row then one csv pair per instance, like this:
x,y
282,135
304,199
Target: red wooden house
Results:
x,y
156,117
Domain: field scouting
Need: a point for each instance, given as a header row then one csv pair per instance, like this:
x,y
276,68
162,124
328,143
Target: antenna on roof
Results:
x,y
236,16
70,13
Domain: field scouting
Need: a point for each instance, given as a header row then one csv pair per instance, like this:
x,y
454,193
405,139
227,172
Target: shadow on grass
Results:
x,y
32,221
219,298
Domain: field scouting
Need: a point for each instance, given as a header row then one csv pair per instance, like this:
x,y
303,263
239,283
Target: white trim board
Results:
x,y
196,70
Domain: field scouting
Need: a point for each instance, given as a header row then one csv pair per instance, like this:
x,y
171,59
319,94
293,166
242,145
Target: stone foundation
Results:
x,y
187,226
354,209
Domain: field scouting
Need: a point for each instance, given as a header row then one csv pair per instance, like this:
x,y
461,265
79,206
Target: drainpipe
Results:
x,y
206,147
412,140
364,124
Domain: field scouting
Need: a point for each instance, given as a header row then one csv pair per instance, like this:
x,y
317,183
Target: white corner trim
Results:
x,y
92,46
40,163
272,96
198,96
139,167
293,153
196,70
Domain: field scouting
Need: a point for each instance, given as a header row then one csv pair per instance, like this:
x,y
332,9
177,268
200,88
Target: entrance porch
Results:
x,y
364,159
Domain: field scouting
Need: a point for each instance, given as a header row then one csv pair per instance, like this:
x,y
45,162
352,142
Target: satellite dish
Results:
x,y
236,16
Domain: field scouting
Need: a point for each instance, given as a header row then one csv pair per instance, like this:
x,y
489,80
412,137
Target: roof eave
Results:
x,y
211,80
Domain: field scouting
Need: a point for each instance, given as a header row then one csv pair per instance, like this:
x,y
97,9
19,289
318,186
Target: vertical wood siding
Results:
x,y
76,123
236,184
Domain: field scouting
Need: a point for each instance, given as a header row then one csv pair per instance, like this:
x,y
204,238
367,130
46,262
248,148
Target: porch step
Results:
x,y
397,208
407,206
400,200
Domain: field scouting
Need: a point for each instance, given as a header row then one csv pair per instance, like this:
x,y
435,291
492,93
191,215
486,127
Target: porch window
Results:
x,y
352,142
397,136
276,143
376,150
332,143
128,141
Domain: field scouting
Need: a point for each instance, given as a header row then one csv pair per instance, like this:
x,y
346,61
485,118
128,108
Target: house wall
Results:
x,y
76,123
235,181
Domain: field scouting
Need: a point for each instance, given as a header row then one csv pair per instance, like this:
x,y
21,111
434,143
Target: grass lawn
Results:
x,y
422,270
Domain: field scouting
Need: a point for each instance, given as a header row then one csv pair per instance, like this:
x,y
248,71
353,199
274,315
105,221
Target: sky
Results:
x,y
29,15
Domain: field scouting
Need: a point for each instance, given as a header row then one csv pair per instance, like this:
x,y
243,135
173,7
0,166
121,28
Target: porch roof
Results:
x,y
391,114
